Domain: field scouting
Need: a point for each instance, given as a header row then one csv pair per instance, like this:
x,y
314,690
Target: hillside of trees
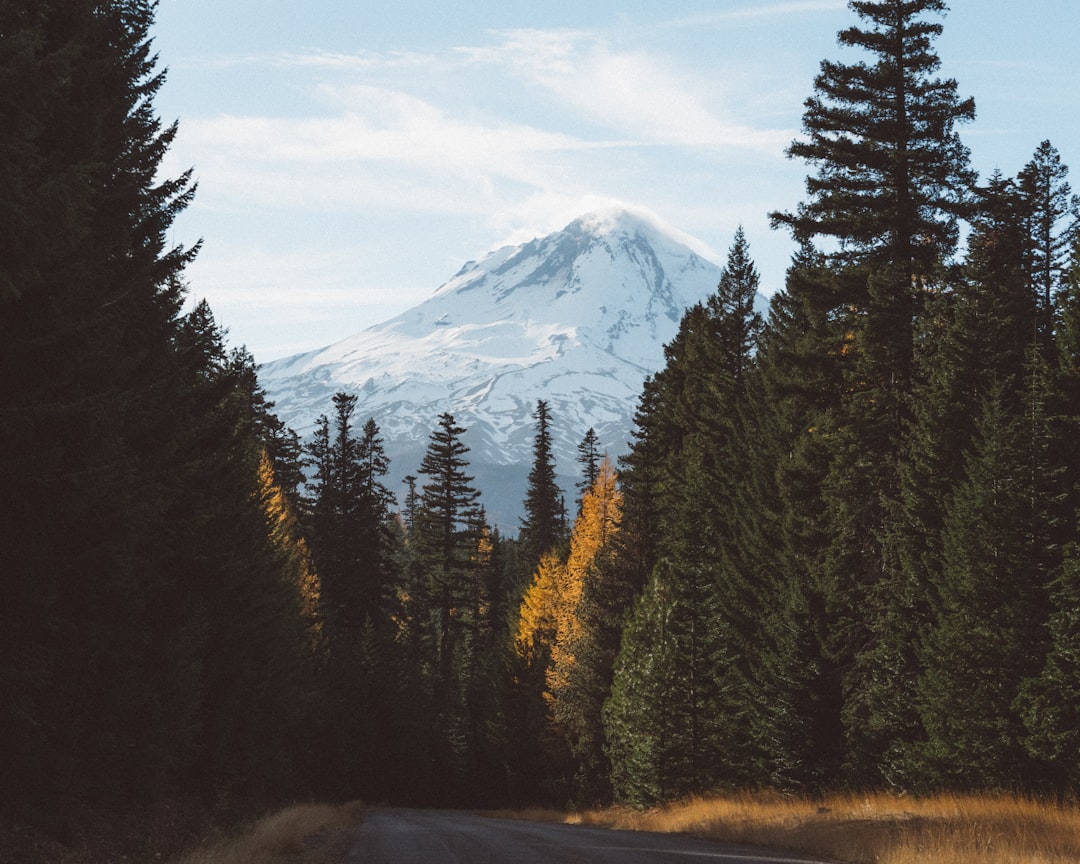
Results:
x,y
842,551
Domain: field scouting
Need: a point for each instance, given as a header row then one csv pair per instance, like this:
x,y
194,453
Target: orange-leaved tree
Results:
x,y
548,624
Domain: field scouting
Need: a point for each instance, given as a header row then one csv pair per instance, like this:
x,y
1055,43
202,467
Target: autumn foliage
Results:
x,y
549,623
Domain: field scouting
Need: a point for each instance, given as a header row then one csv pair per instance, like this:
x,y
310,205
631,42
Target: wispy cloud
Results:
x,y
632,93
518,135
381,148
758,12
375,135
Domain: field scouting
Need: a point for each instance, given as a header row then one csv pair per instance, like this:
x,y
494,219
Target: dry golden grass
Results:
x,y
285,836
874,828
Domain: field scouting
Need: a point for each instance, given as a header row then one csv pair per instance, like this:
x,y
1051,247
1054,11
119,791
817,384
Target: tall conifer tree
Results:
x,y
544,523
446,538
892,179
589,459
777,589
1051,219
986,639
351,516
90,294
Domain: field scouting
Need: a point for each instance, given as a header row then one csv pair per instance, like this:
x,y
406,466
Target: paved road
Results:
x,y
448,837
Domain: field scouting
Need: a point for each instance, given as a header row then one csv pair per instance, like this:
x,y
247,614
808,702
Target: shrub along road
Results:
x,y
449,837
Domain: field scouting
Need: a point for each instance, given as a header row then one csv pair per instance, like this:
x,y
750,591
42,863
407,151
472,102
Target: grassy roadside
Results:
x,y
854,829
870,828
300,834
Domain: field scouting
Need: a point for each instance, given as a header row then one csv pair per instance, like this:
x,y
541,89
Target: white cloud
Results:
x,y
377,147
761,11
631,92
434,133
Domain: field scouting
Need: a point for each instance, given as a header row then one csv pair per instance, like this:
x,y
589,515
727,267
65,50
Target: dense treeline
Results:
x,y
841,550
150,632
863,515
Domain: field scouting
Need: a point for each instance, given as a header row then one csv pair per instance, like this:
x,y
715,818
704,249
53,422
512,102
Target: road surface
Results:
x,y
450,837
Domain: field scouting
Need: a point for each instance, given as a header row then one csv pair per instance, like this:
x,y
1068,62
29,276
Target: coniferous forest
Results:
x,y
841,552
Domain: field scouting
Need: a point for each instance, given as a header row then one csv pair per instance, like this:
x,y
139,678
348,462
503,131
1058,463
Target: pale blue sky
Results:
x,y
352,155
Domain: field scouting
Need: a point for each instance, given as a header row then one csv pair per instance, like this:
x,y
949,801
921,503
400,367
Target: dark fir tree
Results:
x,y
1050,702
731,306
1067,351
246,588
783,686
892,174
352,543
154,608
702,387
377,501
543,527
412,502
444,524
976,333
891,180
986,639
350,516
634,714
588,459
669,746
446,540
90,293
1050,214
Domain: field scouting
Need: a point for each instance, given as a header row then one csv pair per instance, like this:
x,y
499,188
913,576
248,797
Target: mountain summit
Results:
x,y
578,318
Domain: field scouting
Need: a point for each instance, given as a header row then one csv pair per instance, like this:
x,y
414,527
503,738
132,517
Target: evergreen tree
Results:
x,y
1067,352
444,520
892,179
738,325
778,595
635,714
990,612
589,459
892,172
972,335
446,538
249,589
350,516
697,468
544,524
678,739
377,501
1049,703
90,295
352,546
1051,221
412,502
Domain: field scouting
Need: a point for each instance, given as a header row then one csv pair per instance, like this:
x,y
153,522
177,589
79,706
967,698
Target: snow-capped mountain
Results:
x,y
578,318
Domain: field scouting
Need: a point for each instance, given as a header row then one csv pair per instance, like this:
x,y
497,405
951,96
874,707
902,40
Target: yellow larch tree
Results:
x,y
289,543
548,623
595,527
536,620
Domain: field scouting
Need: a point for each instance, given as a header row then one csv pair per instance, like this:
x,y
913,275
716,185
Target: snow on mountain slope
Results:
x,y
578,318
